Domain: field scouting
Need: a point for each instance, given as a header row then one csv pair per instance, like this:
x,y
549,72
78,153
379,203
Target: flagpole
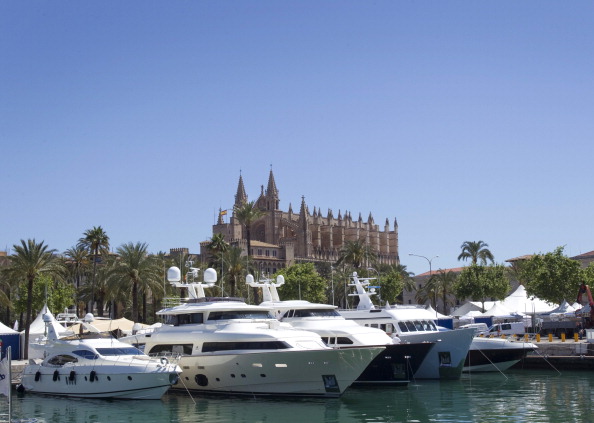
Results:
x,y
9,358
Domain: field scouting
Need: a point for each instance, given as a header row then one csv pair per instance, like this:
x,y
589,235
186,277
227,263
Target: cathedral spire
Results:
x,y
271,189
272,199
241,196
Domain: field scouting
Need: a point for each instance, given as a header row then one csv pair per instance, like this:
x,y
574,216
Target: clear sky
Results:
x,y
463,120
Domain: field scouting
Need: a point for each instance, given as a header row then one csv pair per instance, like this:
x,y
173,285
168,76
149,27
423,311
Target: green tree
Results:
x,y
55,293
135,272
476,251
96,242
479,283
235,268
29,261
442,285
246,214
76,260
356,253
302,281
393,281
552,276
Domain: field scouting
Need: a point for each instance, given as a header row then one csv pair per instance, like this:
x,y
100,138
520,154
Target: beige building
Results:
x,y
284,237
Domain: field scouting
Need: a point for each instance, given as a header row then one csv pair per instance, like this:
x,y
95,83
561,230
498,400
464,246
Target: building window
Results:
x,y
273,253
267,253
259,251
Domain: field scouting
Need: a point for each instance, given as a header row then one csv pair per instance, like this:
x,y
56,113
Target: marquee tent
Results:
x,y
519,302
464,309
501,311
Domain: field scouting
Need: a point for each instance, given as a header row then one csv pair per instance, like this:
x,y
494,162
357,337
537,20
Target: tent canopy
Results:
x,y
499,310
464,309
519,302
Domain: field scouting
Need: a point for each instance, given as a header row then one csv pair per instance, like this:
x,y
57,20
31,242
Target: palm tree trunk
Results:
x,y
135,301
28,317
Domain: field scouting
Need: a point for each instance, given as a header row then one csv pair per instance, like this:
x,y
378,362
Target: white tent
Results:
x,y
436,313
519,302
6,330
564,308
464,309
37,332
499,310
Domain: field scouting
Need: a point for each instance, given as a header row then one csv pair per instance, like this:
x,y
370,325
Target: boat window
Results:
x,y
253,345
119,351
60,360
89,355
240,314
411,327
316,313
184,319
163,349
389,328
343,340
419,325
432,325
402,327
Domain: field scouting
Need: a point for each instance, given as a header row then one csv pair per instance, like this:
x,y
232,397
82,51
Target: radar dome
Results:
x,y
173,274
210,275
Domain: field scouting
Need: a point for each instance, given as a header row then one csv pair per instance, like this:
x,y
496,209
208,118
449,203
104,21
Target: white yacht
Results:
x,y
495,354
226,346
411,324
395,365
96,365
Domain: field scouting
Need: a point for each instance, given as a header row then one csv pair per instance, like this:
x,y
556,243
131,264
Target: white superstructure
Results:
x,y
227,346
413,324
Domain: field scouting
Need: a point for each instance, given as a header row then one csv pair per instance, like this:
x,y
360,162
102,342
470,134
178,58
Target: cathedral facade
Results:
x,y
281,238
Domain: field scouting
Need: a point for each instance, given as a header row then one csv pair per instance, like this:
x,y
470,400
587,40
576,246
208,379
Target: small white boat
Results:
x,y
96,365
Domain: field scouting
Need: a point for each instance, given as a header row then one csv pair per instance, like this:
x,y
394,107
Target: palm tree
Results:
x,y
135,272
246,214
475,251
236,267
77,263
96,242
356,253
32,259
442,285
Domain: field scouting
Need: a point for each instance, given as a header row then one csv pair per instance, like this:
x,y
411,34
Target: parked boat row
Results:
x,y
282,348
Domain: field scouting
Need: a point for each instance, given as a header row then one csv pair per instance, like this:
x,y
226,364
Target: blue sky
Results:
x,y
463,120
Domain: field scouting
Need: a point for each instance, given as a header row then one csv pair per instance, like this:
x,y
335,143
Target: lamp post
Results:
x,y
429,260
332,279
379,293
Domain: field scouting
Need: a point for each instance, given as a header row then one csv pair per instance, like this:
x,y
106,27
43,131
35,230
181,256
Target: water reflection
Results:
x,y
523,397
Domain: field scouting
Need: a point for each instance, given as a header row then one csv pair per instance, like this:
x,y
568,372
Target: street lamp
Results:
x,y
332,279
430,273
379,293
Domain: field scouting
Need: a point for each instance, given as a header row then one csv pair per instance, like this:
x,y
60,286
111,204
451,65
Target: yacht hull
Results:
x,y
494,355
396,365
97,382
318,373
446,358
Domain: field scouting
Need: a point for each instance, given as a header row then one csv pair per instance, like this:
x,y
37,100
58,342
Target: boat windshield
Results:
x,y
89,355
240,314
120,351
312,313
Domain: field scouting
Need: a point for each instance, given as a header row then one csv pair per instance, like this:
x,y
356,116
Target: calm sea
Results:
x,y
520,396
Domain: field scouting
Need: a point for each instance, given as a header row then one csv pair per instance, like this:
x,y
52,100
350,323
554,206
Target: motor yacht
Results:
x,y
225,346
495,354
395,365
93,365
411,324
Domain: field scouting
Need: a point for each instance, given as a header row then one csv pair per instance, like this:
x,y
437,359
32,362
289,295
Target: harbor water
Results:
x,y
519,396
